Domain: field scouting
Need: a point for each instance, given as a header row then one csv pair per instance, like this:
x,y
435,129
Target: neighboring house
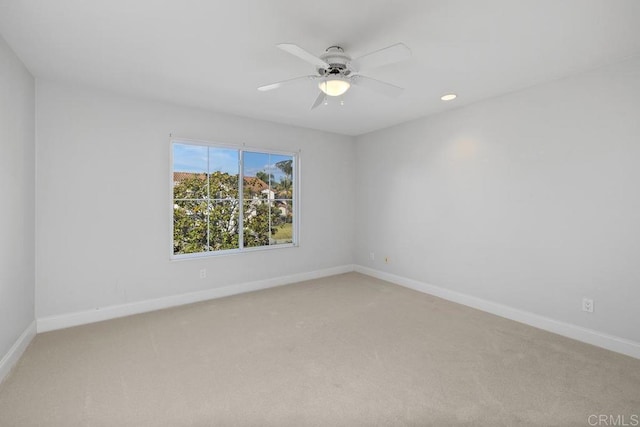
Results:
x,y
178,177
255,186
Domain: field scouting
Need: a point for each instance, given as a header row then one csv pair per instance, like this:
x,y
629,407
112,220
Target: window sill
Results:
x,y
227,252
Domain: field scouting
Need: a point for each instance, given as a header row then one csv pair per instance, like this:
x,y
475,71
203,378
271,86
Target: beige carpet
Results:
x,y
347,350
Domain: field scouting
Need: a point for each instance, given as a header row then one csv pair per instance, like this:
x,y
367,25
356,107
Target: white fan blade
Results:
x,y
296,50
389,55
285,82
319,99
377,85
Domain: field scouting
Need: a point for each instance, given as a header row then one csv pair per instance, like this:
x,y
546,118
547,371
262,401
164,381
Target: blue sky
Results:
x,y
200,158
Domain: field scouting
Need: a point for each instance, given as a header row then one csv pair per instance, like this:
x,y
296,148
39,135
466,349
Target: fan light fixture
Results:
x,y
334,87
336,71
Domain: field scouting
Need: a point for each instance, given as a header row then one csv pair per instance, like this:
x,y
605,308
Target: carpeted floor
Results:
x,y
347,350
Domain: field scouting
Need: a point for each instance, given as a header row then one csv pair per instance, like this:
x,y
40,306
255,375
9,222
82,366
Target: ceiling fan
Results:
x,y
336,71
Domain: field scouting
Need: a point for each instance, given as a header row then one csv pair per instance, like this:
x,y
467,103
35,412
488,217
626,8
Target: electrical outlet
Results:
x,y
587,305
372,256
203,273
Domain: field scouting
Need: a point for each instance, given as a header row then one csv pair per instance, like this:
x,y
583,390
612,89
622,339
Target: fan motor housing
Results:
x,y
337,60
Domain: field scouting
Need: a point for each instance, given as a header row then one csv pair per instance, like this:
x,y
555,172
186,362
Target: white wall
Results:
x,y
528,200
531,200
103,217
17,177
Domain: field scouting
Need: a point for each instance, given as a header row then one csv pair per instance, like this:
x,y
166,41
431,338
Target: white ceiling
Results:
x,y
214,54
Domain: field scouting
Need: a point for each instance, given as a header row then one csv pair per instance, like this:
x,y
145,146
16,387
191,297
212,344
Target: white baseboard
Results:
x,y
589,336
9,360
62,321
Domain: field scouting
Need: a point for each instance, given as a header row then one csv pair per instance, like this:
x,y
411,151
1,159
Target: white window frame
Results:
x,y
241,150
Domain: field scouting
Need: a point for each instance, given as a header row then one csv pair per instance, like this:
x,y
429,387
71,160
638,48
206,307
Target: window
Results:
x,y
230,200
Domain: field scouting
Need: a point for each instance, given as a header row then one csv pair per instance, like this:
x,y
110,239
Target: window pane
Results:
x,y
190,158
282,222
189,227
255,188
224,167
225,160
189,171
281,168
223,225
223,186
256,223
188,185
256,175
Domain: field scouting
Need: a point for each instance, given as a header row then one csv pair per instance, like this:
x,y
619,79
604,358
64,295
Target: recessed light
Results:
x,y
448,97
